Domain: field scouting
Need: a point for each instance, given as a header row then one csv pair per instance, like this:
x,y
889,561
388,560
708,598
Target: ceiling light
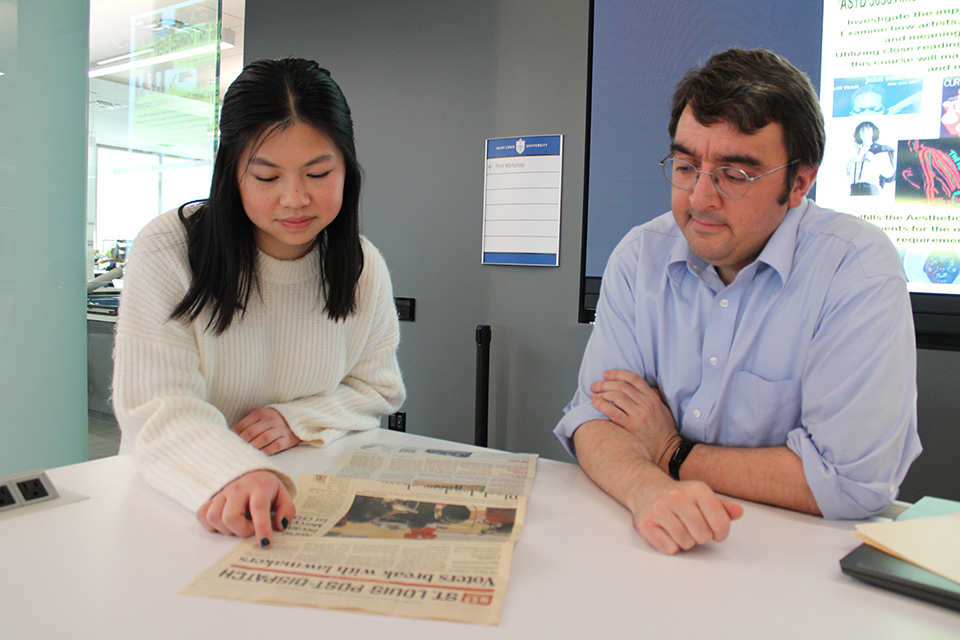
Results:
x,y
124,56
167,57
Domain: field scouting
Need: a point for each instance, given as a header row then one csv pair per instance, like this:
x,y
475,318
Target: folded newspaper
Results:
x,y
402,531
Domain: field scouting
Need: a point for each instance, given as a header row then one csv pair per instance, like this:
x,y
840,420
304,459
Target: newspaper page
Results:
x,y
404,550
490,471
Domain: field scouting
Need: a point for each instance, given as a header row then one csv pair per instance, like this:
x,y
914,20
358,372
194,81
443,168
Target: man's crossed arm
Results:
x,y
627,456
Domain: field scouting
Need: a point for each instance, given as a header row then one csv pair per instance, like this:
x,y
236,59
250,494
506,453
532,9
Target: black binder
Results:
x,y
889,572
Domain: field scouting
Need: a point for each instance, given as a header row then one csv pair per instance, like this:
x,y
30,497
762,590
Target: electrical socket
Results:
x,y
397,421
32,489
25,489
406,308
6,497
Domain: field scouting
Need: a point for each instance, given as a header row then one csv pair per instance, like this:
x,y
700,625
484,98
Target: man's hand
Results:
x,y
253,504
632,404
680,515
670,515
266,430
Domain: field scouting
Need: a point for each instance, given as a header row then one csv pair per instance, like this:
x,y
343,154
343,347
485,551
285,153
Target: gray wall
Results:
x,y
428,82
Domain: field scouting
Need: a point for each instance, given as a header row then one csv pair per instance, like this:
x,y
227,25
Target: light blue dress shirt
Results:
x,y
811,346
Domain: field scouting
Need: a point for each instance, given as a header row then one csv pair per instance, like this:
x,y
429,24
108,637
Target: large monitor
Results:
x,y
888,76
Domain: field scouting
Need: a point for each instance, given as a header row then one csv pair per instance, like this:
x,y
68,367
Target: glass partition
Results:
x,y
157,70
154,101
43,96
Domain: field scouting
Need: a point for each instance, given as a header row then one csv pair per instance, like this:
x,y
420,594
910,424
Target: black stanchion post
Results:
x,y
483,384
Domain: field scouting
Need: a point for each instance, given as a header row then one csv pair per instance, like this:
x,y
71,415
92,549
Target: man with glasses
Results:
x,y
748,343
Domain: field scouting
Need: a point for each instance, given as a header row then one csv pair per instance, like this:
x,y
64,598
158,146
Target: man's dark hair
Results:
x,y
269,96
750,89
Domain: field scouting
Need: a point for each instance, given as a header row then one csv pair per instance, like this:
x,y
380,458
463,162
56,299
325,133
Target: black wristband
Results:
x,y
679,456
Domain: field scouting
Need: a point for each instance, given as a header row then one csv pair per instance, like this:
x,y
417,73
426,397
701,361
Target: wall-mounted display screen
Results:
x,y
888,75
890,92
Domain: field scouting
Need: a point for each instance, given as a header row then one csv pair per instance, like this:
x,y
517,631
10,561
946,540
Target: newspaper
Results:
x,y
439,546
491,471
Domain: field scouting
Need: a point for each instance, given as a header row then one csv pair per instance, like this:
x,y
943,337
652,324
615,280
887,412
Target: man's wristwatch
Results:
x,y
679,455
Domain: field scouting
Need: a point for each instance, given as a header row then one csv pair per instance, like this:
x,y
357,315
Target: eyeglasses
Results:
x,y
730,182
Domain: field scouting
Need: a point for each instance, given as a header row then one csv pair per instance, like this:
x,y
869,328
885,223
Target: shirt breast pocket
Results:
x,y
759,412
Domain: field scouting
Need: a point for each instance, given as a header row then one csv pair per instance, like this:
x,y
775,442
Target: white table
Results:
x,y
112,566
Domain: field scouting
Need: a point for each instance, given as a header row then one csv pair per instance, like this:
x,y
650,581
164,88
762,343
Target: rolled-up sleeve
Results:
x,y
859,423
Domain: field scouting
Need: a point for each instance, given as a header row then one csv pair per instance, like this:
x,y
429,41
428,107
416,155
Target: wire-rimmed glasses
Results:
x,y
730,182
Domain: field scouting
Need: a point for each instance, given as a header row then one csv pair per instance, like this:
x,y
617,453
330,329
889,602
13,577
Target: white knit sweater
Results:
x,y
178,388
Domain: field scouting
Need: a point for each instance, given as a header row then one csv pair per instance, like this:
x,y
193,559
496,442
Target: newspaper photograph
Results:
x,y
491,471
413,551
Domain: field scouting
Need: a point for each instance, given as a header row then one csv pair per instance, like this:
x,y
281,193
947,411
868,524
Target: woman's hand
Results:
x,y
256,503
266,430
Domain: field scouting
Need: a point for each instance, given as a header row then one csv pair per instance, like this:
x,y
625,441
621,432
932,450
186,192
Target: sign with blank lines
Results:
x,y
521,201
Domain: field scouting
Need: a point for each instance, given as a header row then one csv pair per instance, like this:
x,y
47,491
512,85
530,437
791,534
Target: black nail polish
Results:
x,y
264,543
283,524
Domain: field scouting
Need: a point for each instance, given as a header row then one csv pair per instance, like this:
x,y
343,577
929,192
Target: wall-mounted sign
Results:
x,y
521,201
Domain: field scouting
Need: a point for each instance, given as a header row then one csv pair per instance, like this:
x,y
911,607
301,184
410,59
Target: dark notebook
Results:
x,y
889,572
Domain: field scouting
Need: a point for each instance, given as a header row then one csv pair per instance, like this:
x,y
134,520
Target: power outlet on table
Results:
x,y
32,489
25,489
6,497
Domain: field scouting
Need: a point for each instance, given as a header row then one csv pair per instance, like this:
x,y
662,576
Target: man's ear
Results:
x,y
806,176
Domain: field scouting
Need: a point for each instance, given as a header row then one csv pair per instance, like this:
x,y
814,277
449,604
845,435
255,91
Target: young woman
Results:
x,y
258,318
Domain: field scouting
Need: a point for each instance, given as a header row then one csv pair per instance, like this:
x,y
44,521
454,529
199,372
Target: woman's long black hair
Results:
x,y
268,96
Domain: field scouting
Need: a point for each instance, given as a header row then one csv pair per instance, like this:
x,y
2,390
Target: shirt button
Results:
x,y
893,491
724,303
714,361
696,413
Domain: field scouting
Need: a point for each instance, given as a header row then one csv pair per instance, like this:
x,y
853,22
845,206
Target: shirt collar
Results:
x,y
782,245
681,260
